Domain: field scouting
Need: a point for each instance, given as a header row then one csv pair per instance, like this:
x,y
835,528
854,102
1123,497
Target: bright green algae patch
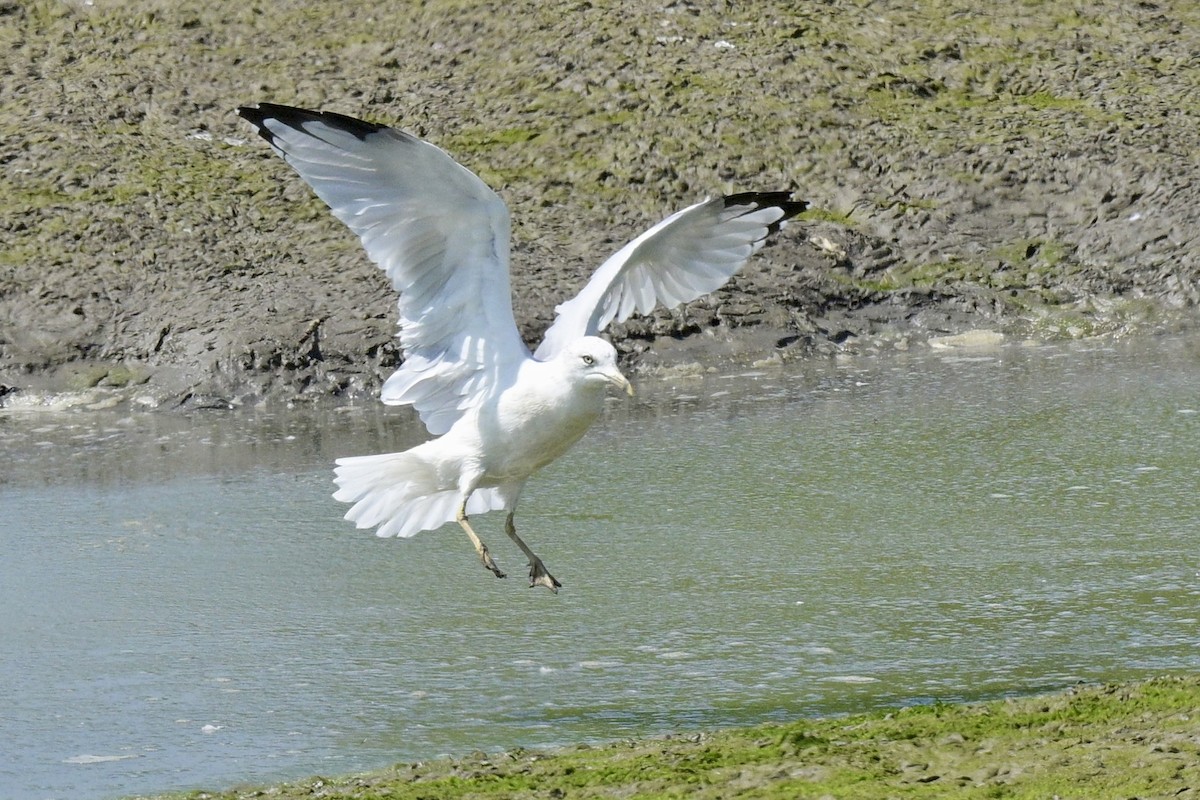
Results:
x,y
1114,741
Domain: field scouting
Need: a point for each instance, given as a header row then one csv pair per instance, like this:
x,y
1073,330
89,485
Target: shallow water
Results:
x,y
183,606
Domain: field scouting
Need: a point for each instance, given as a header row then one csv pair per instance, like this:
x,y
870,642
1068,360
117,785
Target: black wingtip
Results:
x,y
297,117
781,200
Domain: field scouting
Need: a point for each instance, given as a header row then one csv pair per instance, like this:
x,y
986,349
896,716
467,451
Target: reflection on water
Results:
x,y
184,606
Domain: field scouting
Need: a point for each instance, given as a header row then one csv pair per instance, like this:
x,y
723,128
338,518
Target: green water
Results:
x,y
184,606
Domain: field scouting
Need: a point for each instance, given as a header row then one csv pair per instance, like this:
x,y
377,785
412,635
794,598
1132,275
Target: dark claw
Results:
x,y
486,558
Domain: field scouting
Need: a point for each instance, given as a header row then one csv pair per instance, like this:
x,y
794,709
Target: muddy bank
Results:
x,y
1025,169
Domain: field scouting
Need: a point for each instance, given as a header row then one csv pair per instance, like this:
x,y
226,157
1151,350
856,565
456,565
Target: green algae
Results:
x,y
1114,741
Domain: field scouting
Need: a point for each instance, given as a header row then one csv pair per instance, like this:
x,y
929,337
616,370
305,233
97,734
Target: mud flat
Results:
x,y
1023,168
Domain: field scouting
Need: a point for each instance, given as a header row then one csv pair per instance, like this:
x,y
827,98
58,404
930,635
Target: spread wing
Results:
x,y
439,233
690,253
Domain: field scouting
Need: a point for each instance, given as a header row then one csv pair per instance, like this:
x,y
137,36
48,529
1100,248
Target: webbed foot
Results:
x,y
538,576
486,558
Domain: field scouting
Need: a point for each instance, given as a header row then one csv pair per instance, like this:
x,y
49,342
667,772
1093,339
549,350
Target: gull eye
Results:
x,y
588,360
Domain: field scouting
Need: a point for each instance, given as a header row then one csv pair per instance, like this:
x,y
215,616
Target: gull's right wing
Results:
x,y
690,253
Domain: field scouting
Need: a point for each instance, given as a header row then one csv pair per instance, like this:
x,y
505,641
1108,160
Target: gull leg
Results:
x,y
480,547
538,576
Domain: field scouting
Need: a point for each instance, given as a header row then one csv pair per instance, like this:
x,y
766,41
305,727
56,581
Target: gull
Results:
x,y
499,412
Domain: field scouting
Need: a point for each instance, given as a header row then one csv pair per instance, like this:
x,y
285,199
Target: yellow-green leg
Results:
x,y
480,547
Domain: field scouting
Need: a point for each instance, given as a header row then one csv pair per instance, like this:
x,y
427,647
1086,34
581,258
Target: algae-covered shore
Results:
x,y
1138,740
1026,167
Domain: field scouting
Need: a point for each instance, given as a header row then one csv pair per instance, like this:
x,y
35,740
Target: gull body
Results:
x,y
499,413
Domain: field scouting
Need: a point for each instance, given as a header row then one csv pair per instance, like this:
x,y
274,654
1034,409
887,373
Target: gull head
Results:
x,y
593,362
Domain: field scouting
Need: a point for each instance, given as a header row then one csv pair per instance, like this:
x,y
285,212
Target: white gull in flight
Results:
x,y
499,412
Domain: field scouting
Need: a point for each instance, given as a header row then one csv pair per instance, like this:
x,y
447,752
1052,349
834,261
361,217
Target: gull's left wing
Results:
x,y
690,253
439,233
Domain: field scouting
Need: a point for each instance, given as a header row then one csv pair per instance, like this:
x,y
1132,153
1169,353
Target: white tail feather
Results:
x,y
401,494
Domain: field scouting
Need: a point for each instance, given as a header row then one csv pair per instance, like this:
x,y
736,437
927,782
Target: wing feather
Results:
x,y
689,254
439,233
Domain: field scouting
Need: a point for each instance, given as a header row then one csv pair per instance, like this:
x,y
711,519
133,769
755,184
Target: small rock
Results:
x,y
979,338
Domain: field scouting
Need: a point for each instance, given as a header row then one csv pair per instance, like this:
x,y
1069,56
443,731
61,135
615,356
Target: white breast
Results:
x,y
536,420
